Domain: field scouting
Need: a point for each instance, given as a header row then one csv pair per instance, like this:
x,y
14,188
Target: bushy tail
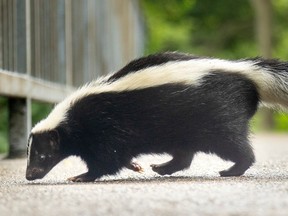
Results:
x,y
271,79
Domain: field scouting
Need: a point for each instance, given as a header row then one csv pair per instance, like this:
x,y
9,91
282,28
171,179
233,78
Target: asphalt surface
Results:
x,y
263,190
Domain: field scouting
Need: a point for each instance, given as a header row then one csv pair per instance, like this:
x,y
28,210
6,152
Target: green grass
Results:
x,y
3,125
3,143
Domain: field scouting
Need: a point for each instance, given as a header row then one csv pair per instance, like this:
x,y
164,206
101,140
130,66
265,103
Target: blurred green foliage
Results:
x,y
215,28
224,29
212,28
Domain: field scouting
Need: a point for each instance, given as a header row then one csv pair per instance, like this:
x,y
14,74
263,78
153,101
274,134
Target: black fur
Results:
x,y
149,61
107,130
273,65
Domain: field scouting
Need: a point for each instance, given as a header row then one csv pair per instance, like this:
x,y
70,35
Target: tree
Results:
x,y
263,26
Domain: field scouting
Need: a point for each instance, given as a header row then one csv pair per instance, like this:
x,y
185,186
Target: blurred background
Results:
x,y
47,48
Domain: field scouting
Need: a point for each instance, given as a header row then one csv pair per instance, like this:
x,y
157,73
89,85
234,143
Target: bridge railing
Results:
x,y
47,48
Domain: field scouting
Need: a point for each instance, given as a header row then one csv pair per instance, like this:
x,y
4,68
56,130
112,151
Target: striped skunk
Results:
x,y
164,103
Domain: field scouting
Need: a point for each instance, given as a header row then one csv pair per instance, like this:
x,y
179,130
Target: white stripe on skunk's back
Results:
x,y
187,72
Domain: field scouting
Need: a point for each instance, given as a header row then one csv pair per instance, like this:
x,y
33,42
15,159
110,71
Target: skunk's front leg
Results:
x,y
96,169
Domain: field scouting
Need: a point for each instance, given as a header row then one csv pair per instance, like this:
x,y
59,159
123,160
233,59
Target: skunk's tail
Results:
x,y
271,79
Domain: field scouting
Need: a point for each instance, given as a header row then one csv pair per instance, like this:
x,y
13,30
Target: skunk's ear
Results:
x,y
54,139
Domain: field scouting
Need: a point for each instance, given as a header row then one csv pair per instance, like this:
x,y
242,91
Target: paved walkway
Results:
x,y
198,191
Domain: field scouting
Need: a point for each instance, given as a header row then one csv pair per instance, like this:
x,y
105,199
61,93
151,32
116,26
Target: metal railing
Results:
x,y
49,47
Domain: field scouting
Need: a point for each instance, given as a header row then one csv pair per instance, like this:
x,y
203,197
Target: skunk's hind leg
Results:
x,y
180,161
241,154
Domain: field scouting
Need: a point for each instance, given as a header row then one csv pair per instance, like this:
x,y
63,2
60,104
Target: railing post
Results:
x,y
28,63
17,127
20,108
69,43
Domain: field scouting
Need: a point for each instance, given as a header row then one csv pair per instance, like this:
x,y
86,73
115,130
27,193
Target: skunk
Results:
x,y
171,103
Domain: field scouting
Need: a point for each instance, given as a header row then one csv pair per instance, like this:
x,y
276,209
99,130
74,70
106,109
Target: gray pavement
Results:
x,y
263,190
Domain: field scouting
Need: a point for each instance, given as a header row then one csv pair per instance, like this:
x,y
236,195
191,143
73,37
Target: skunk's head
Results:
x,y
43,153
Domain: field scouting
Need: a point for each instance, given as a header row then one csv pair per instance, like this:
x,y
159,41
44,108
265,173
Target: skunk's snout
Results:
x,y
34,173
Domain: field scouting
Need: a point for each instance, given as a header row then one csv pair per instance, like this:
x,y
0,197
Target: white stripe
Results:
x,y
186,72
29,149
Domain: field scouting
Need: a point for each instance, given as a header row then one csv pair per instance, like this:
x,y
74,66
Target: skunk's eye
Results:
x,y
42,157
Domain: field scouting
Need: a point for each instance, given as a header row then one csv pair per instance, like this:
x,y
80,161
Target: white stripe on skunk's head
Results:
x,y
30,140
187,72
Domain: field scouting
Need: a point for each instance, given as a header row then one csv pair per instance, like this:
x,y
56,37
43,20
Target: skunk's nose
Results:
x,y
34,173
30,177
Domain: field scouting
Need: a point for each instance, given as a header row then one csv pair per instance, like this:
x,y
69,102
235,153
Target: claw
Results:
x,y
136,167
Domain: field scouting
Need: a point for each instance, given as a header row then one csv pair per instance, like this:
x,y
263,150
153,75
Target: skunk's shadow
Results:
x,y
161,179
151,180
